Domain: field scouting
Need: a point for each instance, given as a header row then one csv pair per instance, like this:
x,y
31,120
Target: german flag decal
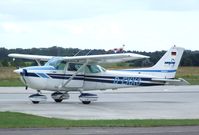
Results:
x,y
173,53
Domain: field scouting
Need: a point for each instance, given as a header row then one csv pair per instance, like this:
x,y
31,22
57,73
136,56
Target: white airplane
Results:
x,y
82,73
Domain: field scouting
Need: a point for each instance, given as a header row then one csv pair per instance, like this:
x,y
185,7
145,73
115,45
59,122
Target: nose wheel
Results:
x,y
58,100
86,102
38,97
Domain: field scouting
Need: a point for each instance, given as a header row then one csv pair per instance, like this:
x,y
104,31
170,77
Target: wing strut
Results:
x,y
38,62
65,83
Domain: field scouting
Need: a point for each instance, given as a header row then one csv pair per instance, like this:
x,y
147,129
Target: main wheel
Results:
x,y
59,96
58,100
86,102
35,102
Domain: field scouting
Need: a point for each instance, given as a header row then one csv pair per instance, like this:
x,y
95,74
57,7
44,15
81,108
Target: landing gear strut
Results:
x,y
87,98
59,96
38,97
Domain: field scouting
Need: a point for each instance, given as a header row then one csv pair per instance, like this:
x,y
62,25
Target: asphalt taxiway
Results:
x,y
188,130
162,102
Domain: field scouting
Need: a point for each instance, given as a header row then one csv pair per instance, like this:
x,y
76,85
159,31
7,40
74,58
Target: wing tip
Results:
x,y
11,55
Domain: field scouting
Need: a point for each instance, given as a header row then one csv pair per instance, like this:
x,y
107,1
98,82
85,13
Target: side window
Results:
x,y
87,69
74,66
93,69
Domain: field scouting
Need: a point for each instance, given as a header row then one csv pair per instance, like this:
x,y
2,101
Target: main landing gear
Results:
x,y
87,98
59,96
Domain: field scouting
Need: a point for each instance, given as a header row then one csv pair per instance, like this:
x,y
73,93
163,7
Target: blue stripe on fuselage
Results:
x,y
159,71
85,77
103,79
30,74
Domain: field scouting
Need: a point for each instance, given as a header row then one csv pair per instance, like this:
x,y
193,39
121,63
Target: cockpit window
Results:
x,y
57,63
61,65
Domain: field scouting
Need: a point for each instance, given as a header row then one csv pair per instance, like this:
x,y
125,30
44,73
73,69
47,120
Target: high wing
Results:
x,y
104,58
107,58
31,57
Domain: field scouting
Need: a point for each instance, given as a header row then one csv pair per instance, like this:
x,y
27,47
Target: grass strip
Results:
x,y
21,120
11,82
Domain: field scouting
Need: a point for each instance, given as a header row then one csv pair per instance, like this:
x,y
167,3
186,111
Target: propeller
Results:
x,y
24,73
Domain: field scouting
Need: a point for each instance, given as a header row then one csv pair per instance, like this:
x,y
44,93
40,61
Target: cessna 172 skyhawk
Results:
x,y
82,73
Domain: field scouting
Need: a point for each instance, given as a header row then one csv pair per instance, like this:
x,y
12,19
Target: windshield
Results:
x,y
57,63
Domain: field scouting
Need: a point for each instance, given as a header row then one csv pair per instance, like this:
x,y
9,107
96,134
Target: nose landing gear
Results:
x,y
38,97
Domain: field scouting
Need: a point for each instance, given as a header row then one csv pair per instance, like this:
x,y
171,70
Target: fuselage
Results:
x,y
50,78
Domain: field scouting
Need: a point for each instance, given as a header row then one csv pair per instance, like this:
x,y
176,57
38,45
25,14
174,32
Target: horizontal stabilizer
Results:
x,y
179,81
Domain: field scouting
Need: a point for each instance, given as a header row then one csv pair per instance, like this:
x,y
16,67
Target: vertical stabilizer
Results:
x,y
167,66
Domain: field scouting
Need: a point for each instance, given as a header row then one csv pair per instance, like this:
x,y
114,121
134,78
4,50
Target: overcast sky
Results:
x,y
143,25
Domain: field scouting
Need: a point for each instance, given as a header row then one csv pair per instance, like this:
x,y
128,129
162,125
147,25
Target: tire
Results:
x,y
35,102
58,100
86,102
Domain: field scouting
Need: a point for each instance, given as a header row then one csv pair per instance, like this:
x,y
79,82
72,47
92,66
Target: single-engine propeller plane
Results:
x,y
83,73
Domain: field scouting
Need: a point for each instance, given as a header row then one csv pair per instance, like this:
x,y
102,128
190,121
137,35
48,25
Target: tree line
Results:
x,y
190,58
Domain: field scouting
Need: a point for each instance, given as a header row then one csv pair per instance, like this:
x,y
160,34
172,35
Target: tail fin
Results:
x,y
167,66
